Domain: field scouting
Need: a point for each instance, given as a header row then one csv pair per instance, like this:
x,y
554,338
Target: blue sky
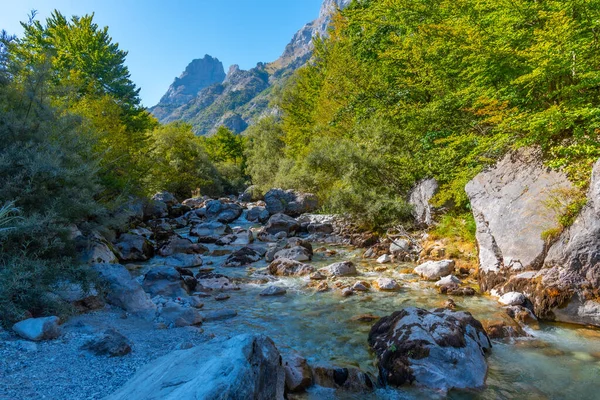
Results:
x,y
162,37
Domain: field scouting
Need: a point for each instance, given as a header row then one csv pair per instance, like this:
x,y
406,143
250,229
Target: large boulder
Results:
x,y
242,257
281,223
178,244
298,253
210,231
178,315
155,209
123,291
510,203
439,349
342,268
165,197
95,249
111,343
252,193
285,267
290,202
298,376
134,248
259,214
243,367
222,212
420,197
560,278
38,328
164,281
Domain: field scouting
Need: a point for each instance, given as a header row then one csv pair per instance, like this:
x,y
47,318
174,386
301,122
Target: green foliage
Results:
x,y
226,150
180,163
456,226
263,150
440,89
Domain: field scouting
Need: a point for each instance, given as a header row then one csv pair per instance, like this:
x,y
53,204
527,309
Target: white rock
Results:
x,y
447,280
38,328
512,299
434,270
384,259
387,284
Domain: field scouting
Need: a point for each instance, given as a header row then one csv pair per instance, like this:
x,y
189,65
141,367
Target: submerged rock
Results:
x,y
243,367
440,349
273,291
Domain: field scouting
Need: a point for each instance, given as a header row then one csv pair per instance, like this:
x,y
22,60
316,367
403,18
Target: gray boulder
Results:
x,y
285,267
420,197
178,244
164,281
259,214
439,349
273,291
35,329
434,270
123,291
177,315
210,231
510,203
222,212
219,315
243,367
298,376
134,248
183,260
297,253
155,209
343,268
242,257
111,343
95,249
165,197
290,202
281,223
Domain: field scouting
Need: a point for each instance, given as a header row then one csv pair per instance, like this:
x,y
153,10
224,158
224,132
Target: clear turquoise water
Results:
x,y
558,362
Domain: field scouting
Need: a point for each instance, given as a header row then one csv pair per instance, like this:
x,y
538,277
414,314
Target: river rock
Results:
x,y
319,229
216,282
281,223
387,284
164,281
384,259
447,280
286,267
297,253
95,249
155,209
348,379
252,193
166,198
273,291
183,260
222,212
110,343
420,197
210,231
512,299
359,286
222,296
242,257
434,270
343,268
219,315
177,315
298,376
243,367
45,328
440,349
177,244
290,202
399,246
123,291
260,214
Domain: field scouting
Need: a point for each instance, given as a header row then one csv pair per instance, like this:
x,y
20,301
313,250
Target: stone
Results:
x,y
447,280
319,229
510,203
164,281
155,209
183,260
387,284
251,193
45,328
216,282
111,343
399,246
347,379
360,287
286,267
290,202
365,318
322,287
317,276
452,289
242,257
502,330
512,299
176,314
384,259
243,367
440,349
222,296
219,315
213,230
420,197
177,244
273,291
281,223
297,253
298,376
166,198
258,214
222,211
343,268
124,291
95,249
434,270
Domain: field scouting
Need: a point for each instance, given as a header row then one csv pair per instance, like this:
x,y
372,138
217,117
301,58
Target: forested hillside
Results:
x,y
404,90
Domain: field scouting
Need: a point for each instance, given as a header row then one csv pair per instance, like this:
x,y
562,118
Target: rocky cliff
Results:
x,y
207,98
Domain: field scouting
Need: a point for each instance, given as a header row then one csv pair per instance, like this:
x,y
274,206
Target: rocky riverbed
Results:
x,y
194,276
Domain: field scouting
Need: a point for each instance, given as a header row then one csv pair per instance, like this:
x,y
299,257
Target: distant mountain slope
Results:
x,y
207,98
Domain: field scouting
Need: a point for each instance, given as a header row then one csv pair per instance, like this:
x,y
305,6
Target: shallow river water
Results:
x,y
557,362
